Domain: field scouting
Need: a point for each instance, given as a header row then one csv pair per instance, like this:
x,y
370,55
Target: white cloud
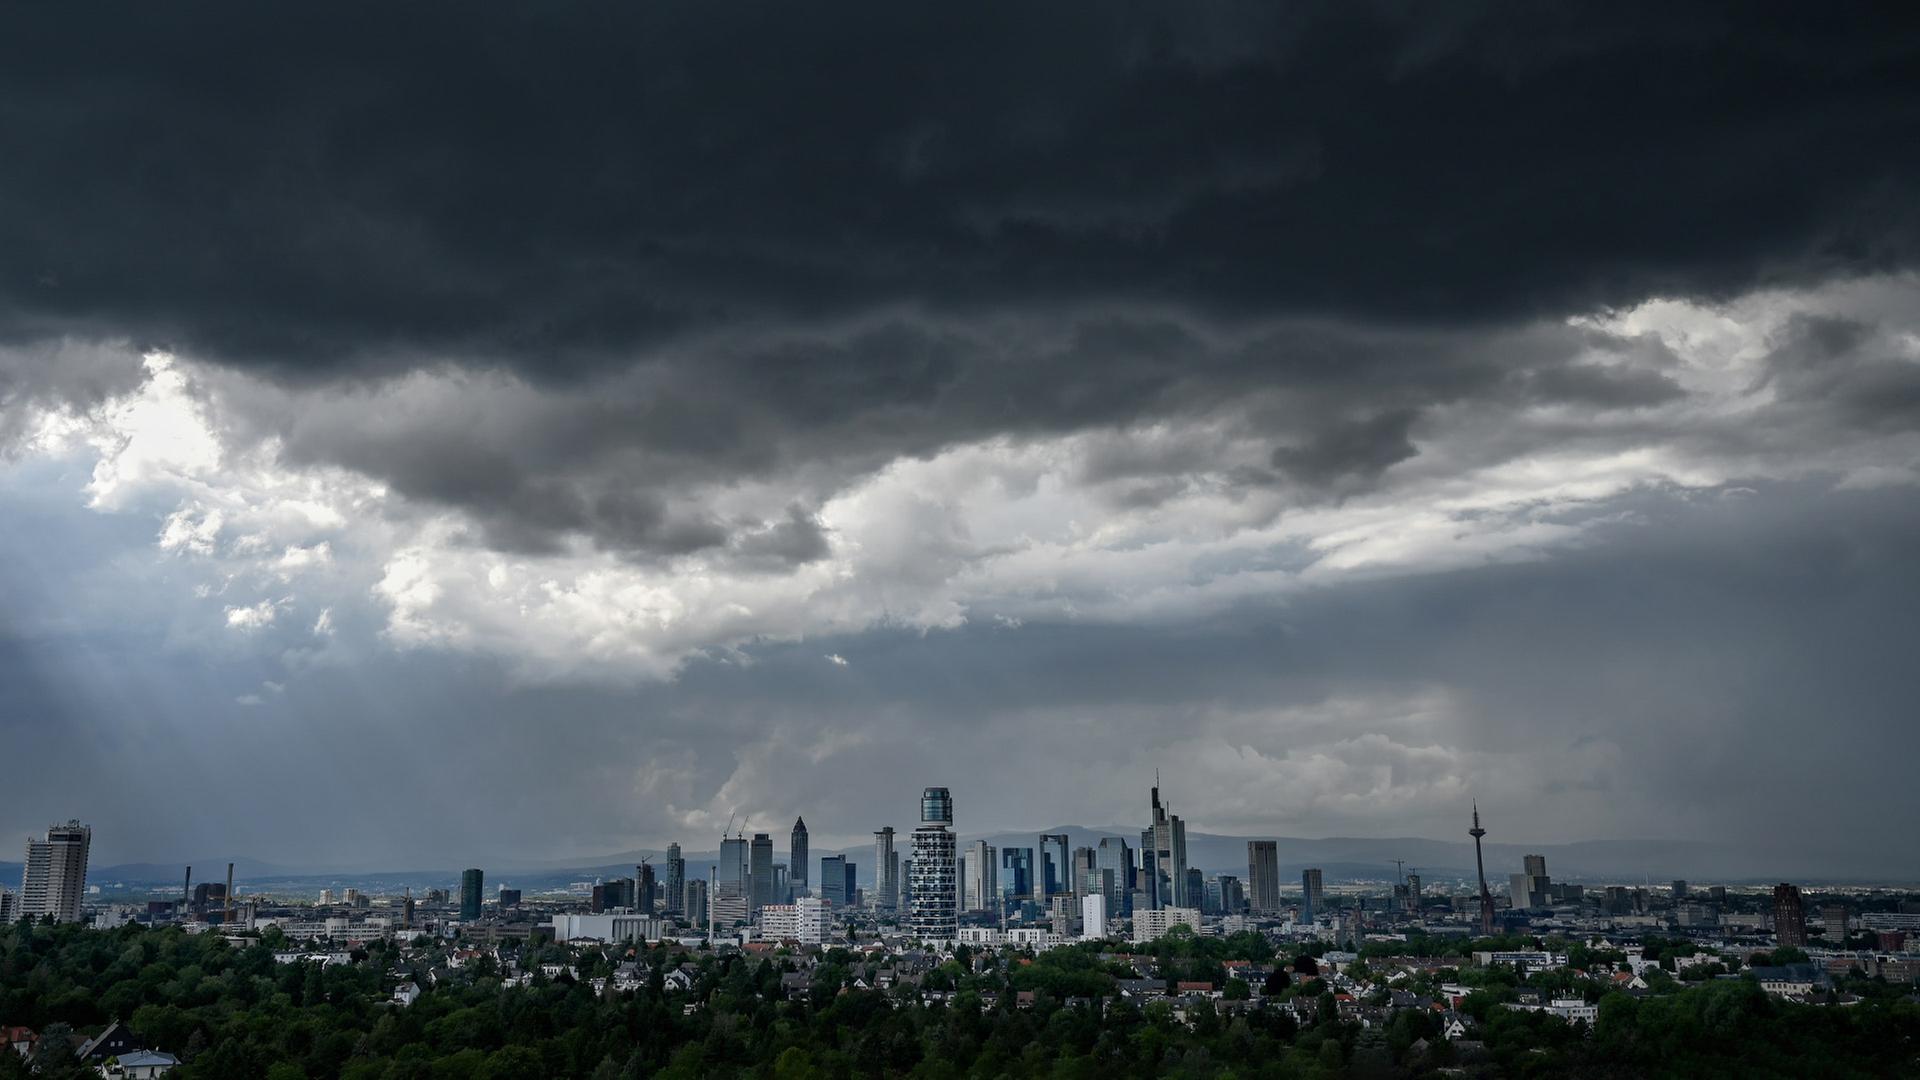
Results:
x,y
1005,531
254,617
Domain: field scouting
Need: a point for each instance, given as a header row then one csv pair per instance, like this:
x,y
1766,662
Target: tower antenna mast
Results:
x,y
1486,897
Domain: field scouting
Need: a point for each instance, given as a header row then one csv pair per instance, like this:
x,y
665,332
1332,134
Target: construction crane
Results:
x,y
729,829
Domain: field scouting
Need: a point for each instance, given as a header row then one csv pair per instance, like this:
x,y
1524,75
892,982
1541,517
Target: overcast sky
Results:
x,y
432,432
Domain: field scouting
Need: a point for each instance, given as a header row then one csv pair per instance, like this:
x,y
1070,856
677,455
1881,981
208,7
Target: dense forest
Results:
x,y
235,1012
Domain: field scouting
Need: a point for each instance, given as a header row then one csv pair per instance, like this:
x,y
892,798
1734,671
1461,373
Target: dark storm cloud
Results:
x,y
50,376
1359,449
355,186
1850,366
626,459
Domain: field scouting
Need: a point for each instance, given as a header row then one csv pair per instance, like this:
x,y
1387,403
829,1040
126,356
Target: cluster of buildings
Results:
x,y
922,887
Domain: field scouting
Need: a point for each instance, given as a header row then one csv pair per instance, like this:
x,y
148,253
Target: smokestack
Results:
x,y
227,919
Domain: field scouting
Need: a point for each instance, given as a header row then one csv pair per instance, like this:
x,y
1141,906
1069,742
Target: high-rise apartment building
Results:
x,y
1263,876
760,870
1168,834
55,876
1148,925
797,857
1093,917
983,877
886,871
933,915
1312,894
471,882
1051,875
1789,917
808,920
9,906
693,901
676,883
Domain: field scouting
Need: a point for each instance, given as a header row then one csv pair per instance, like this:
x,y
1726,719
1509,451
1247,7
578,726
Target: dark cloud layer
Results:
x,y
1353,490
353,186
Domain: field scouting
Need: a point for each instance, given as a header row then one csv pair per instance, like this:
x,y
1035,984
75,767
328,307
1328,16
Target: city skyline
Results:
x,y
1346,411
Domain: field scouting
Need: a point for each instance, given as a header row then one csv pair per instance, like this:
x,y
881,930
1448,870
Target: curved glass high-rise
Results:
x,y
934,900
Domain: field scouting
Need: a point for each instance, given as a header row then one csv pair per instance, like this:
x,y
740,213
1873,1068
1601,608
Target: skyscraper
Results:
x,y
886,871
1263,876
760,870
1016,872
471,882
55,876
1233,898
732,877
1115,859
1168,884
1479,861
1789,917
1312,890
676,884
1083,865
983,877
932,916
693,901
833,881
797,857
1051,875
645,890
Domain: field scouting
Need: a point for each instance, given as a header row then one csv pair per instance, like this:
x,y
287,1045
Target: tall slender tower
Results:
x,y
1167,840
1486,898
676,880
797,858
886,871
933,899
